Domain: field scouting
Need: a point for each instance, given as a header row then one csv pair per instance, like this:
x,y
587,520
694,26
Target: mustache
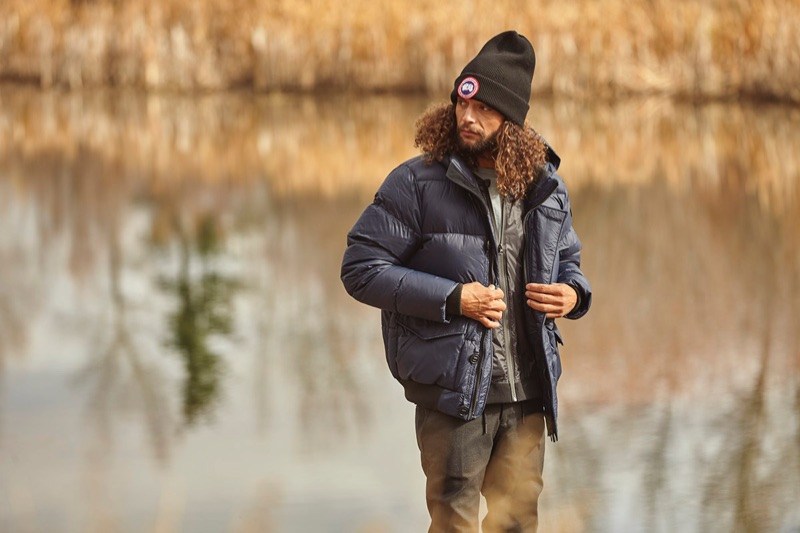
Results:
x,y
468,130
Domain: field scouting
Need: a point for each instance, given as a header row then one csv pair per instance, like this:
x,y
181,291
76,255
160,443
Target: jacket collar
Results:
x,y
546,183
460,173
551,158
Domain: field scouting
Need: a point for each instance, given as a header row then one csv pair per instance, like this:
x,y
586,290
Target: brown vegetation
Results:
x,y
720,48
342,146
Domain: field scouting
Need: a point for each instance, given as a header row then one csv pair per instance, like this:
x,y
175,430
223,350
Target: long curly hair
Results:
x,y
520,153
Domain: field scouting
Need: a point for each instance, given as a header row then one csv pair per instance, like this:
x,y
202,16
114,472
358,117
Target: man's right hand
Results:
x,y
484,304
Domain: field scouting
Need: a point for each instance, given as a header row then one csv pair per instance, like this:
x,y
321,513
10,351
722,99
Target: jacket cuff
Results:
x,y
578,291
453,304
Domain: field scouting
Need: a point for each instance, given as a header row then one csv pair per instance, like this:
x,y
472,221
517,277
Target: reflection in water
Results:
x,y
687,365
217,224
204,310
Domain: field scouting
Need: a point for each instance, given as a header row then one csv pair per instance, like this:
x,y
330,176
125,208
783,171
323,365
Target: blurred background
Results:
x,y
177,179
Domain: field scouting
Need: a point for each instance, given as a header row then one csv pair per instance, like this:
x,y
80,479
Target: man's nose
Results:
x,y
468,116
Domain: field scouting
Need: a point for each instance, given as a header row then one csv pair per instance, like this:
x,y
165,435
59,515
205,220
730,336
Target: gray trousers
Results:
x,y
500,455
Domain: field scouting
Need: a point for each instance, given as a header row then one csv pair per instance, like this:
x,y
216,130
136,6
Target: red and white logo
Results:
x,y
468,88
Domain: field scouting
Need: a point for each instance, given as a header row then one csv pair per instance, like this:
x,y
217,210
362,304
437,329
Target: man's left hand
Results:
x,y
555,300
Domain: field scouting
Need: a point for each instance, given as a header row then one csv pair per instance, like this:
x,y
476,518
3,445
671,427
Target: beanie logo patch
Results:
x,y
468,88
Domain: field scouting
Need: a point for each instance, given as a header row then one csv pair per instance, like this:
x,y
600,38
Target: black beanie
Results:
x,y
500,76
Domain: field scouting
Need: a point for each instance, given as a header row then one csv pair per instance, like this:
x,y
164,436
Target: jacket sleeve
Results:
x,y
381,243
569,266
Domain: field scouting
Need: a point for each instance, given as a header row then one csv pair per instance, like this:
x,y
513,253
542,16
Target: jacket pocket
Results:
x,y
431,353
553,356
550,324
552,338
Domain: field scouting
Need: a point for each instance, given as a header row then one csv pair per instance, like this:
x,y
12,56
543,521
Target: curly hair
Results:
x,y
520,156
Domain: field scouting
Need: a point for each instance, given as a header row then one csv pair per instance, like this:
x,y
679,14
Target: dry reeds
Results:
x,y
720,48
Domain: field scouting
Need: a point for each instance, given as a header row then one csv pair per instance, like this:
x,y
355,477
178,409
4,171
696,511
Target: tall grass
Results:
x,y
692,48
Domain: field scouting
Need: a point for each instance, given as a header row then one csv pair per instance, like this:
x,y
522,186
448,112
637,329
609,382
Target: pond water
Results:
x,y
177,352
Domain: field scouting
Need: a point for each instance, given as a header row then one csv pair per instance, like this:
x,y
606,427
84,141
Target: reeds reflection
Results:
x,y
170,300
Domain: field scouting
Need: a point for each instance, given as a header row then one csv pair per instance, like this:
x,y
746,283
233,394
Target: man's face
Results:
x,y
478,125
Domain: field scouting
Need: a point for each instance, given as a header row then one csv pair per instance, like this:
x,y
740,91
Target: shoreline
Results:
x,y
433,96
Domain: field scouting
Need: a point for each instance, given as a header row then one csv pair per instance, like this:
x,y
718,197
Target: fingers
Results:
x,y
494,305
544,307
551,311
494,314
491,324
545,302
555,300
484,304
493,310
545,298
548,299
496,293
552,288
491,317
497,305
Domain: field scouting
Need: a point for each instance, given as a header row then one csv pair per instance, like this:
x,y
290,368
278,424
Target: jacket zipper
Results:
x,y
543,369
478,375
493,277
503,275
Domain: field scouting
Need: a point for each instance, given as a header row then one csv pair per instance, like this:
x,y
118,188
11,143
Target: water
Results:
x,y
177,353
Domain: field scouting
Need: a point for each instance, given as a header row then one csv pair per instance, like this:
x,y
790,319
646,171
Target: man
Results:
x,y
470,253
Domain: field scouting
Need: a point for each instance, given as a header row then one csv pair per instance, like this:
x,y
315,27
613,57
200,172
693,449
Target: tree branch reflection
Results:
x,y
107,372
204,310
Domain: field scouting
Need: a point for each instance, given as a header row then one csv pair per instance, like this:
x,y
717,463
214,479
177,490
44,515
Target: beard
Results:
x,y
486,145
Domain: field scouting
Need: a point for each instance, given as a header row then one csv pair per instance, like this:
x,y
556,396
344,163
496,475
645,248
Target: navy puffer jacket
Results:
x,y
427,230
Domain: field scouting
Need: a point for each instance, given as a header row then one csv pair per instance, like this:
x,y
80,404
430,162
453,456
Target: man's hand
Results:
x,y
484,304
555,300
